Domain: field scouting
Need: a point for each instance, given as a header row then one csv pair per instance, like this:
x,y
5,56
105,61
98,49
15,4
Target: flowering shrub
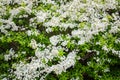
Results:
x,y
59,39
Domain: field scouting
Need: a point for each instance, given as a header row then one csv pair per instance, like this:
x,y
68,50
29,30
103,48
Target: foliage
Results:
x,y
59,39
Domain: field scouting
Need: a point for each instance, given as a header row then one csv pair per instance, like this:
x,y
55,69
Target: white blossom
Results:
x,y
10,55
41,16
33,44
29,32
54,40
63,65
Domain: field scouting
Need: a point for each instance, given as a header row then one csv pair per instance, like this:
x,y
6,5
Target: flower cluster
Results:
x,y
53,34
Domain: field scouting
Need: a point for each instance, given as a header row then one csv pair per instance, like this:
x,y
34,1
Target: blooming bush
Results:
x,y
59,39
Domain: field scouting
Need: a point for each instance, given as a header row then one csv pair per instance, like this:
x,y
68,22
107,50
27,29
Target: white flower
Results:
x,y
14,11
55,21
49,30
33,44
107,70
105,48
11,52
64,43
54,40
117,40
23,52
38,53
77,78
36,32
77,33
54,52
10,55
63,65
114,29
4,79
80,42
41,16
29,32
48,1
7,57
